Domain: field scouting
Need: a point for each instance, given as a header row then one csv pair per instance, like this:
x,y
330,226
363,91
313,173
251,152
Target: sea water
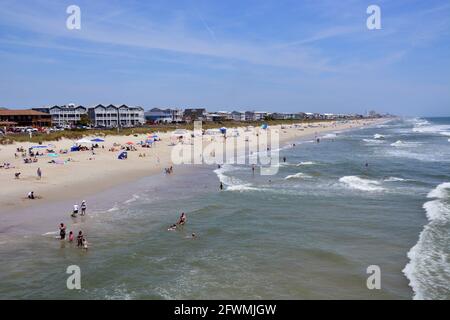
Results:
x,y
373,196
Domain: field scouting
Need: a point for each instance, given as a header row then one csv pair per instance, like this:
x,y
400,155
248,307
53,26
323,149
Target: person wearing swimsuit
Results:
x,y
62,231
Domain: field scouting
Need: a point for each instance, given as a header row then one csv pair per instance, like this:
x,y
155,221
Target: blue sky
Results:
x,y
310,55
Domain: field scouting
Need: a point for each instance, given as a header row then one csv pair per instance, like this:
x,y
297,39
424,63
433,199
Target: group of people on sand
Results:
x,y
76,209
81,239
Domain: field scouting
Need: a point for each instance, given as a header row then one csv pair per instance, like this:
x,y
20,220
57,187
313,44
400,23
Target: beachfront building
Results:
x,y
25,118
66,115
218,116
256,115
112,116
238,115
197,114
157,115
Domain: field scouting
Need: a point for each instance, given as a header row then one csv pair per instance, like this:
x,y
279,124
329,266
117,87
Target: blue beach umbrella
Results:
x,y
98,140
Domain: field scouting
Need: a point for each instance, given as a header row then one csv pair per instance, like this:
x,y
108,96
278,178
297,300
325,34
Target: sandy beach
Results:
x,y
87,173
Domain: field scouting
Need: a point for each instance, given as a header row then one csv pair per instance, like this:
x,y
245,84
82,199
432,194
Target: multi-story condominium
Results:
x,y
157,115
66,114
112,116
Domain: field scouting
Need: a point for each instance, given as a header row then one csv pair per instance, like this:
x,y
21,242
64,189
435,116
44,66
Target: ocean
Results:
x,y
373,196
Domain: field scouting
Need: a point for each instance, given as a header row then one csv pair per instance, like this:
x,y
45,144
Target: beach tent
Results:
x,y
97,140
74,148
264,126
123,155
84,140
223,130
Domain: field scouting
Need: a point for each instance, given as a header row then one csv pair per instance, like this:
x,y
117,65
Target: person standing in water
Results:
x,y
83,207
182,219
39,173
80,238
221,186
75,210
62,231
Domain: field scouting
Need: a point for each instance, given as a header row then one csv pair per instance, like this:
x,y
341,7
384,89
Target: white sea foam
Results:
x,y
373,141
442,191
330,136
232,183
378,136
355,182
403,144
50,233
432,129
306,163
394,179
428,268
299,175
132,199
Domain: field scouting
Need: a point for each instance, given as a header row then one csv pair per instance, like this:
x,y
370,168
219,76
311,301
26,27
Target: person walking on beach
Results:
x,y
39,173
83,207
62,231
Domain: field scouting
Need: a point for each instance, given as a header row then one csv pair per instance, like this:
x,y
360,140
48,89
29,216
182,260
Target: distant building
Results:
x,y
65,115
238,115
256,115
194,114
157,115
111,116
25,118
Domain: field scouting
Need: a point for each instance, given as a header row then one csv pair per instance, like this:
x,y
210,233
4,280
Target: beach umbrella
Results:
x,y
264,126
53,155
130,143
84,140
38,147
97,140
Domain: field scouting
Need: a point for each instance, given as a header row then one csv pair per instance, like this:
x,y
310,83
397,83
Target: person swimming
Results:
x,y
172,227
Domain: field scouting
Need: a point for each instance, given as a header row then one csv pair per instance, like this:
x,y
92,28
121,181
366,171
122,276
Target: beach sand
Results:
x,y
87,174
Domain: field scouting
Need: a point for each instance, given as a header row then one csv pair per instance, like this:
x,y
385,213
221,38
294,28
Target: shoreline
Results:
x,y
96,178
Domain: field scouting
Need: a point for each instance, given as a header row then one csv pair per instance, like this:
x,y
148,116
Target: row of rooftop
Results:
x,y
131,116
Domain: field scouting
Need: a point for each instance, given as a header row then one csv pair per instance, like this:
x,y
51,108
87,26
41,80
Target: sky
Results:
x,y
274,55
